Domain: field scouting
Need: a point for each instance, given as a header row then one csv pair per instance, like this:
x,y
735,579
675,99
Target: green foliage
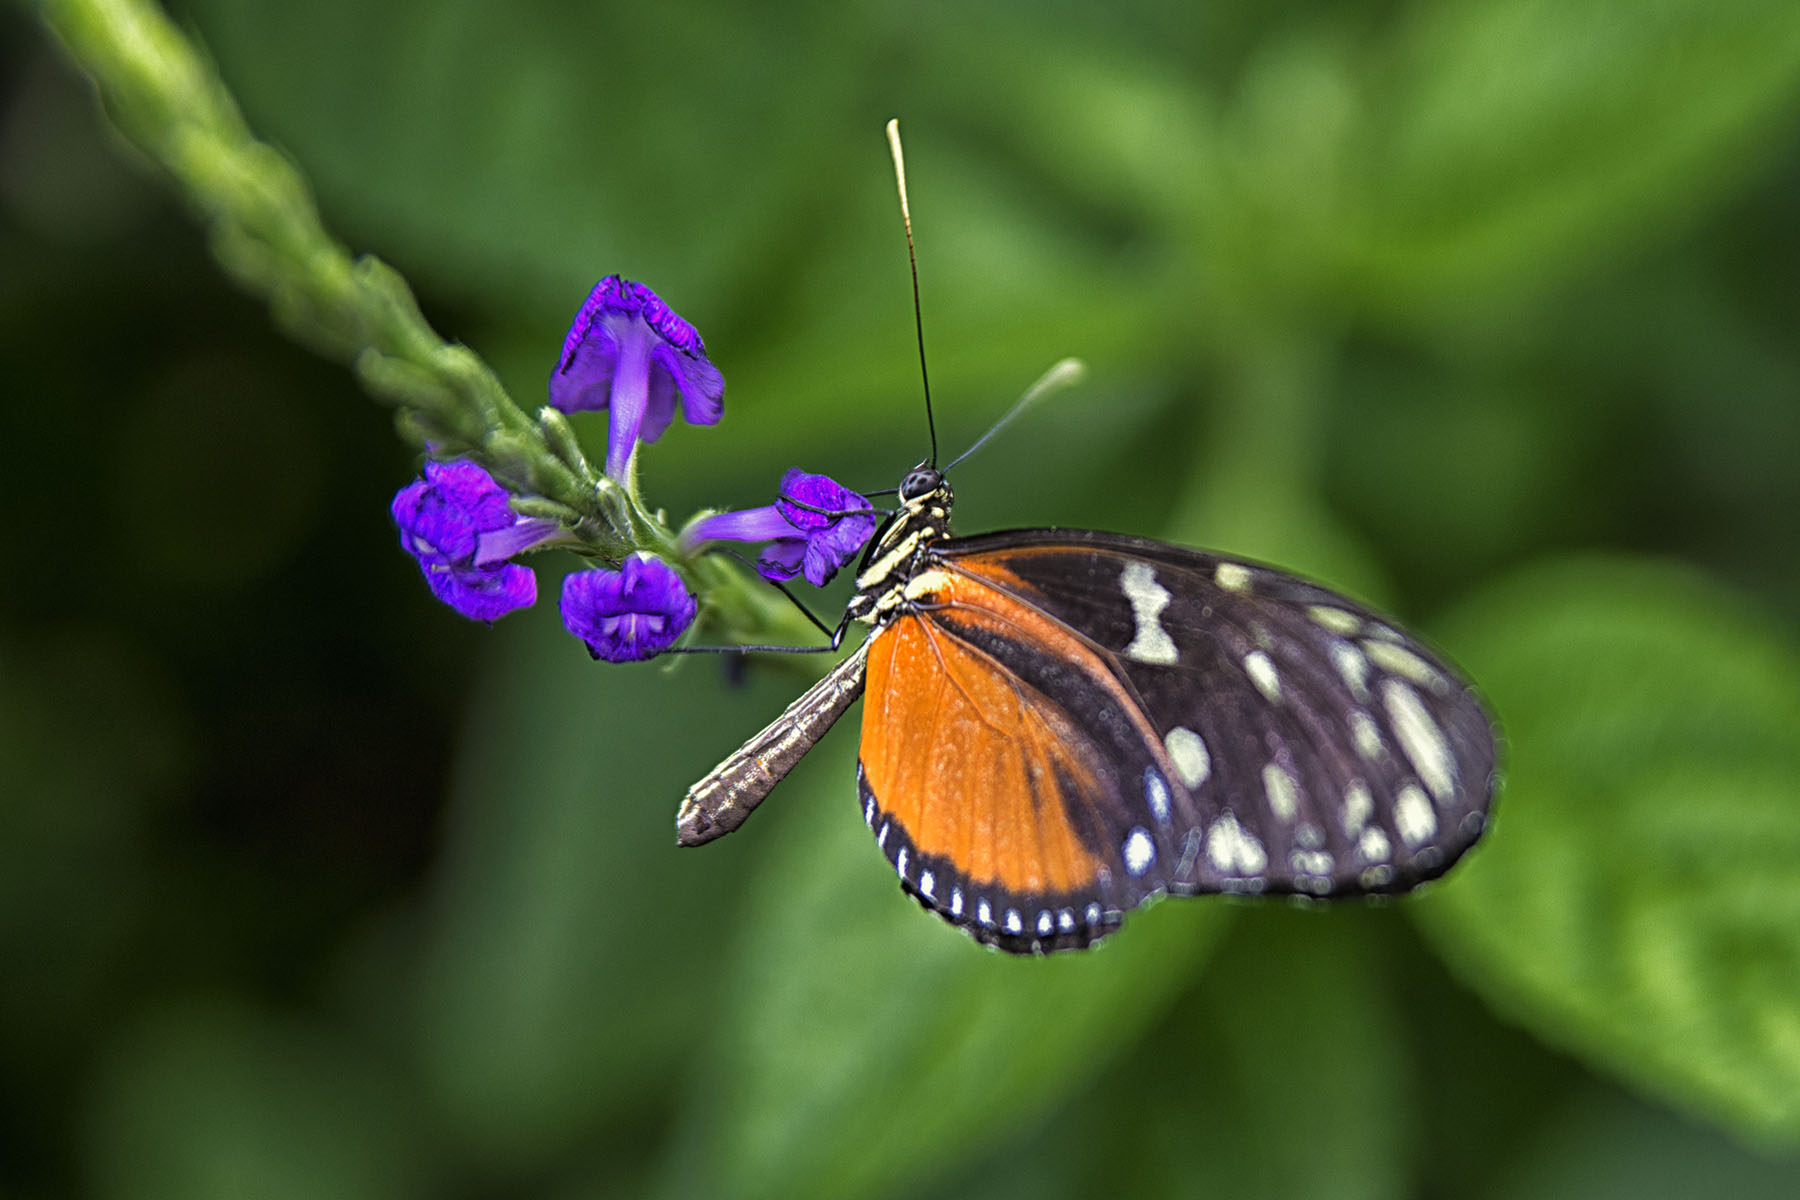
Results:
x,y
1417,297
1638,901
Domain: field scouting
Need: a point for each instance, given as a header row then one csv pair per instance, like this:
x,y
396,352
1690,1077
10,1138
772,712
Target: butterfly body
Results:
x,y
1061,725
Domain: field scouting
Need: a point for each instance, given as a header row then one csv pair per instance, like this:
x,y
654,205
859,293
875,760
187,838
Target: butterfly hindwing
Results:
x,y
1066,723
1323,750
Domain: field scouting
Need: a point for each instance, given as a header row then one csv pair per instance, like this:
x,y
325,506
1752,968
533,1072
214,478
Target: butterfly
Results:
x,y
1060,726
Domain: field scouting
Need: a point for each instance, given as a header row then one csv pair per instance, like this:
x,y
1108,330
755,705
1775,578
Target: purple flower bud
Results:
x,y
456,522
629,353
630,614
815,540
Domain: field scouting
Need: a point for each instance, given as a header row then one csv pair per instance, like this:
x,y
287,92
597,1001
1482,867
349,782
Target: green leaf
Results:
x,y
864,1043
569,941
1639,1151
1524,137
1289,1064
1637,900
211,1099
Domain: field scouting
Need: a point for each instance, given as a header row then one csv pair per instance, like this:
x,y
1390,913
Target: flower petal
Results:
x,y
742,525
633,613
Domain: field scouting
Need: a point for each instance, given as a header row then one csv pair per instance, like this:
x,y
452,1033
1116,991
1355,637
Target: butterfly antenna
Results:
x,y
893,136
1066,373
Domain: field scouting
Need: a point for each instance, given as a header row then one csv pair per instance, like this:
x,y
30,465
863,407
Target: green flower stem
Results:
x,y
266,232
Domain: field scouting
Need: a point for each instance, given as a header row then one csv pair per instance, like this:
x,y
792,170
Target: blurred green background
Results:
x,y
1484,310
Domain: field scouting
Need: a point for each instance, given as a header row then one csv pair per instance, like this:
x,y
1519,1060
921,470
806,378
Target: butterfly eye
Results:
x,y
921,481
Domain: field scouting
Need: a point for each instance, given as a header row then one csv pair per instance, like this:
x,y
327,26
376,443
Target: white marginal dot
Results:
x,y
1373,845
927,883
1366,734
900,862
1014,922
956,902
1065,920
1045,923
1335,619
1192,762
1092,915
1151,643
1233,577
1359,806
1311,862
881,835
1139,852
1352,667
1156,793
1413,817
1262,674
1282,791
984,912
1422,740
1310,836
869,812
1233,850
1403,662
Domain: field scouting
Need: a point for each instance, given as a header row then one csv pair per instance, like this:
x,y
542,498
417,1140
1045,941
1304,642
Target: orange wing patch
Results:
x,y
972,765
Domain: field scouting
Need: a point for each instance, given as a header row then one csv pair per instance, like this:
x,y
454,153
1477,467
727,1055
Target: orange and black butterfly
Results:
x,y
1060,725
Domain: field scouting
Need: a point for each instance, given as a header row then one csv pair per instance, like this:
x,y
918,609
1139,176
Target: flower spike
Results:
x,y
629,353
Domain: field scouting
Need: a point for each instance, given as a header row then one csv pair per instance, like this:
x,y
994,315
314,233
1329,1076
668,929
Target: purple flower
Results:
x,y
630,614
813,529
629,352
456,522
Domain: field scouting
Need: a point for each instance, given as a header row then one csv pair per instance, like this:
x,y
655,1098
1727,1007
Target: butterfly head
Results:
x,y
925,487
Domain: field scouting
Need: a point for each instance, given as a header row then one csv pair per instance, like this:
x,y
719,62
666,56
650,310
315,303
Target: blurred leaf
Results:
x,y
206,1100
865,1044
1598,1144
1525,137
1283,1074
1636,900
570,941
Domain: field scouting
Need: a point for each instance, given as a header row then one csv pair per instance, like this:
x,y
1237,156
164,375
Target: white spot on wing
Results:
x,y
1262,674
956,902
881,835
1151,643
1093,915
1311,862
1233,577
1282,791
1156,794
900,862
1366,734
1359,806
927,883
984,912
1335,619
1192,762
1421,738
1398,660
1065,920
1353,667
1045,923
1139,852
1233,850
1014,922
1373,845
1413,817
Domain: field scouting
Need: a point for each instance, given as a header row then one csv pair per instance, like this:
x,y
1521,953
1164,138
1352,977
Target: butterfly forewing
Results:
x,y
1193,723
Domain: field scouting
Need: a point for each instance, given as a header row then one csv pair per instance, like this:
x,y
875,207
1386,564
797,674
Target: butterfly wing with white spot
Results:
x,y
1301,742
